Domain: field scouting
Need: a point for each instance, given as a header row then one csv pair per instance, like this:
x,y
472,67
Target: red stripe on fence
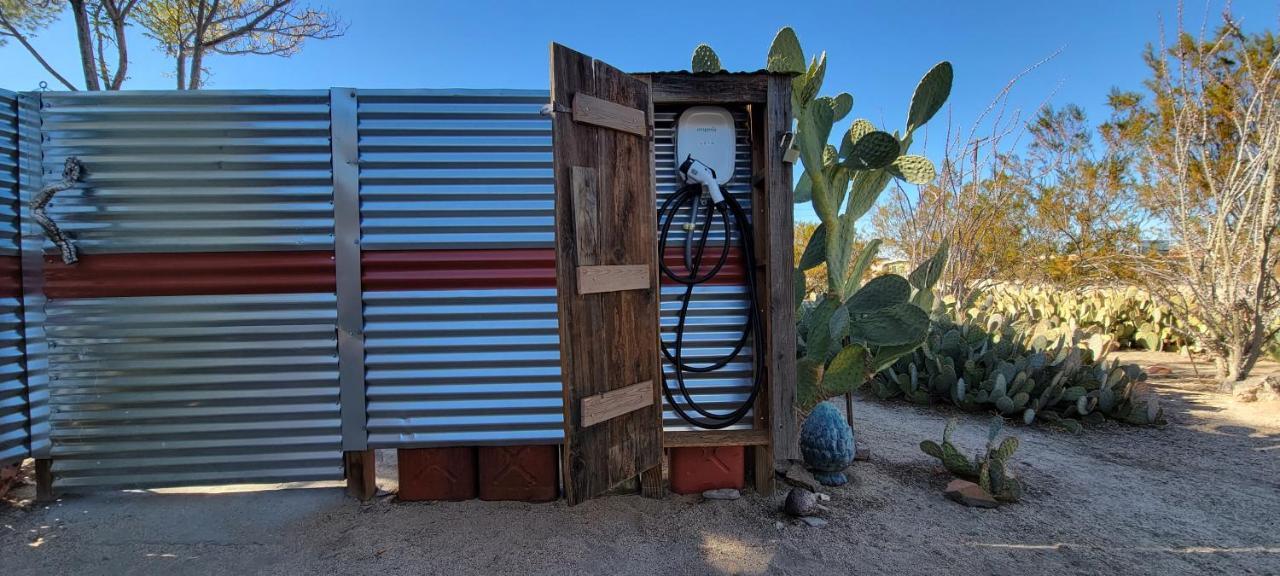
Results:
x,y
188,274
10,276
458,269
733,273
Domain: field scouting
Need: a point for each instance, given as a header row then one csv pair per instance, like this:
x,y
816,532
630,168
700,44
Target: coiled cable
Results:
x,y
731,215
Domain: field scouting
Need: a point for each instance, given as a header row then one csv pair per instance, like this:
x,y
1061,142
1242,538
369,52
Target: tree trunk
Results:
x,y
182,69
84,36
197,57
122,51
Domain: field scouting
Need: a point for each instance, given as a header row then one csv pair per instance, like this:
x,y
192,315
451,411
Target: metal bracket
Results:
x,y
788,144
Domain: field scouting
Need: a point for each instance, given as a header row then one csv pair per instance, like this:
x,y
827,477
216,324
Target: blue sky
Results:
x,y
877,50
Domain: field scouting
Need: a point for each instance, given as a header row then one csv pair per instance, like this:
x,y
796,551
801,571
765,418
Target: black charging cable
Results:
x,y
728,211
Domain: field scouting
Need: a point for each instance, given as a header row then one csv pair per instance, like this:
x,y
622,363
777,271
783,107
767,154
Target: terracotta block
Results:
x,y
697,469
437,473
524,473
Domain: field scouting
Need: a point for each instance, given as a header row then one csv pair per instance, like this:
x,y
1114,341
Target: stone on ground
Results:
x,y
813,521
798,475
970,494
722,494
801,502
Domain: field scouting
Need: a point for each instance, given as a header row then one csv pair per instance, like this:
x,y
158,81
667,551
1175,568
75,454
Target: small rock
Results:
x,y
862,455
722,494
779,525
798,475
800,502
1158,370
813,521
823,497
970,494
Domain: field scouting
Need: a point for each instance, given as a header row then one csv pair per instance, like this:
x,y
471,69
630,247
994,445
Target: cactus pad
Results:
x,y
705,59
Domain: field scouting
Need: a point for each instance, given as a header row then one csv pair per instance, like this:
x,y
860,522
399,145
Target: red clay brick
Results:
x,y
694,470
437,473
524,473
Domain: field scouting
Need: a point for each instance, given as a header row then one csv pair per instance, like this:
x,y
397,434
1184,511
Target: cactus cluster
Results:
x,y
843,343
993,366
990,469
851,331
1131,317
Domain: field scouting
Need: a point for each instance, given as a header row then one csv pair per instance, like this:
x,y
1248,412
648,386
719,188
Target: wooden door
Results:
x,y
606,273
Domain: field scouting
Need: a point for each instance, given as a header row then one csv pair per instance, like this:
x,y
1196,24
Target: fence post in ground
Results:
x,y
358,460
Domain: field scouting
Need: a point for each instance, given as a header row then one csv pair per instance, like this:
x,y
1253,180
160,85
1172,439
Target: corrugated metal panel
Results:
x,y
191,273
717,311
193,171
455,169
712,327
180,390
13,392
463,367
36,346
8,173
456,269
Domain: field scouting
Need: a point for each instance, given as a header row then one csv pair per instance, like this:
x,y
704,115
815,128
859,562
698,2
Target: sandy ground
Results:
x,y
1199,496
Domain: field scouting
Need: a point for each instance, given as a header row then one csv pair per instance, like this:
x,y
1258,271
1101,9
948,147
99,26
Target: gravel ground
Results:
x,y
1199,496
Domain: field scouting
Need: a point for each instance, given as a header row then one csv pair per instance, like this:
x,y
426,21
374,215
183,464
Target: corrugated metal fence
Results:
x,y
14,434
196,341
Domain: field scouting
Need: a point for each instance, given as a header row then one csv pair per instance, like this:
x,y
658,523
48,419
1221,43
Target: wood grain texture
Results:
x,y
760,457
651,485
597,279
608,405
607,340
359,467
779,255
601,112
716,438
585,191
708,88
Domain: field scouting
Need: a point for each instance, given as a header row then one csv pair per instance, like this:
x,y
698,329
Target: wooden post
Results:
x,y
44,480
781,345
361,472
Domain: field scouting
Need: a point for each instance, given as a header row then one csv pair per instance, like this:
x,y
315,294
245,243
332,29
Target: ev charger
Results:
x,y
707,134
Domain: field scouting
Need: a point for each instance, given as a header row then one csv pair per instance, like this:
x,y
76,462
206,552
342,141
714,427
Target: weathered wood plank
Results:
x,y
592,110
651,483
360,469
584,214
607,340
715,438
780,255
614,403
708,88
44,480
597,279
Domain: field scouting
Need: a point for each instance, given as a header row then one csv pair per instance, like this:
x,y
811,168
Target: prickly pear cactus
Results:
x,y
989,470
826,442
705,59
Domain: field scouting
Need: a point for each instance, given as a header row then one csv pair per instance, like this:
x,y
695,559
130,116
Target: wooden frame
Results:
x,y
774,437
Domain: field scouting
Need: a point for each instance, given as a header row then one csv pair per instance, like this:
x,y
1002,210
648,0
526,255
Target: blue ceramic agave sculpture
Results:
x,y
826,441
